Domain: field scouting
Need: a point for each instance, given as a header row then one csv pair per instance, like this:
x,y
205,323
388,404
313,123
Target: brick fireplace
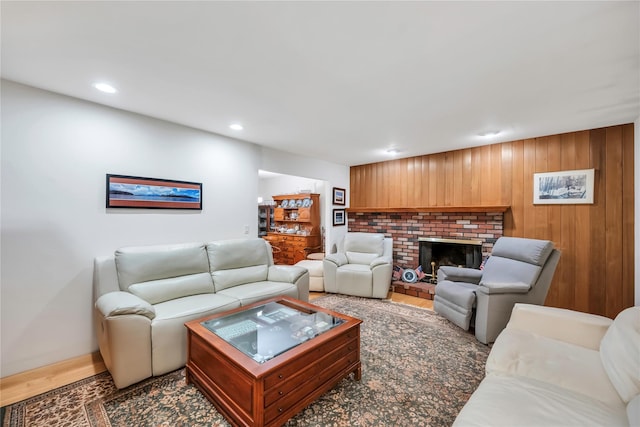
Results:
x,y
406,228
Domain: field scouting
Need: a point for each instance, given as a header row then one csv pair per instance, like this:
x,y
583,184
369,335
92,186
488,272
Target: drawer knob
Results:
x,y
280,392
280,376
280,409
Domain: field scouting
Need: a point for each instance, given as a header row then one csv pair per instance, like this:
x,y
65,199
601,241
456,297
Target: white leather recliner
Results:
x,y
362,266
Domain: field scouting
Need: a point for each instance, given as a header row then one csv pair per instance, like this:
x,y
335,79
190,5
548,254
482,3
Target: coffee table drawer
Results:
x,y
285,373
312,381
349,351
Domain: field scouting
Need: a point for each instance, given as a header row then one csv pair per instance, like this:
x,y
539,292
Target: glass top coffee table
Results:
x,y
263,363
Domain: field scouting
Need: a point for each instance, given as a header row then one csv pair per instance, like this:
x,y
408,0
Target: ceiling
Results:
x,y
340,81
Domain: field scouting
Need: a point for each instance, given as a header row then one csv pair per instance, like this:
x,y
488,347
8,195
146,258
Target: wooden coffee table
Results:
x,y
263,363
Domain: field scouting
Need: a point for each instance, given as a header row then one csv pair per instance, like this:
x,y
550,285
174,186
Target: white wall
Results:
x,y
55,154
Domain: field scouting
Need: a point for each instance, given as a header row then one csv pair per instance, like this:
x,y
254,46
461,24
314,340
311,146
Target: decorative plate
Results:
x,y
306,203
292,203
298,203
409,276
284,204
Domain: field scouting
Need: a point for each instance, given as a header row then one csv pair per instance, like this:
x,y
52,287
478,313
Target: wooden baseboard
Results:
x,y
15,388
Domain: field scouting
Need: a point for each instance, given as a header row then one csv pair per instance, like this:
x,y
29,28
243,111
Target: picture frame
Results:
x,y
124,191
563,187
339,217
339,196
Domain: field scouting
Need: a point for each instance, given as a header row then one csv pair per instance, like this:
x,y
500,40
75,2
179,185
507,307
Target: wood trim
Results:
x,y
24,385
495,208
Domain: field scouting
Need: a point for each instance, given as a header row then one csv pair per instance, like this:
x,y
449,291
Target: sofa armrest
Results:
x,y
285,273
338,258
503,288
570,326
120,303
459,274
383,260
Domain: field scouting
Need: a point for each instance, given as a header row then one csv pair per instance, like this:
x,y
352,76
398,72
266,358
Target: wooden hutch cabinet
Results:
x,y
295,231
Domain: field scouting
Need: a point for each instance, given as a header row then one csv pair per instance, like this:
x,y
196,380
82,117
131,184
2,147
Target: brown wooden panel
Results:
x,y
597,254
441,171
628,261
515,227
433,181
457,184
596,271
448,180
466,177
582,245
558,289
613,222
406,176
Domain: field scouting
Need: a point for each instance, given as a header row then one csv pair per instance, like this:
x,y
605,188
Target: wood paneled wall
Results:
x,y
596,269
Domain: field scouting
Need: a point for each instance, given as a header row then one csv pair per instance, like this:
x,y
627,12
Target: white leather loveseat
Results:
x,y
557,367
144,295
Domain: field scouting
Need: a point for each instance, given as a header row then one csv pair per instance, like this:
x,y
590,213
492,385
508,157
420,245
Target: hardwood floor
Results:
x,y
27,384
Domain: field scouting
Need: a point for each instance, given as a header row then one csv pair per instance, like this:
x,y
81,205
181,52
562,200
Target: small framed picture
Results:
x,y
339,217
566,187
339,196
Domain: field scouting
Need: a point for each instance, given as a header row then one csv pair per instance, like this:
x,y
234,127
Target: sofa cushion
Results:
x,y
230,254
236,262
521,353
223,279
156,291
253,292
504,271
168,334
518,401
163,272
620,353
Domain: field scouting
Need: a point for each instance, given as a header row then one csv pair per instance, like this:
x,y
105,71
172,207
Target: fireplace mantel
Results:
x,y
494,208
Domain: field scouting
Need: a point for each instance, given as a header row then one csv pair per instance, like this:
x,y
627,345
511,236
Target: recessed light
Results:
x,y
236,126
105,87
489,134
393,151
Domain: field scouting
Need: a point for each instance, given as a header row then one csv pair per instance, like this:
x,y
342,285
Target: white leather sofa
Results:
x,y
557,367
144,295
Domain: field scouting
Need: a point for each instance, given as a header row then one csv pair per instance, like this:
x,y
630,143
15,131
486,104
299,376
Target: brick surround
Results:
x,y
406,227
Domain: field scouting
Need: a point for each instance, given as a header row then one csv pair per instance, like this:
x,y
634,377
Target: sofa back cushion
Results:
x,y
531,251
164,272
362,248
516,260
236,262
620,353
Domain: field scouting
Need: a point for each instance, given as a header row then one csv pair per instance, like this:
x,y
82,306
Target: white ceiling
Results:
x,y
340,81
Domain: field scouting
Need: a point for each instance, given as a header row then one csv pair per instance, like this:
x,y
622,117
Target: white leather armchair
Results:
x,y
361,267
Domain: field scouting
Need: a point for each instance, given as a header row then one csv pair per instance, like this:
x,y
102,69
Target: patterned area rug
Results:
x,y
417,370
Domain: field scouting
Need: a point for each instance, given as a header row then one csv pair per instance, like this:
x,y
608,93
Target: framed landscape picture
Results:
x,y
567,187
339,217
339,196
152,193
